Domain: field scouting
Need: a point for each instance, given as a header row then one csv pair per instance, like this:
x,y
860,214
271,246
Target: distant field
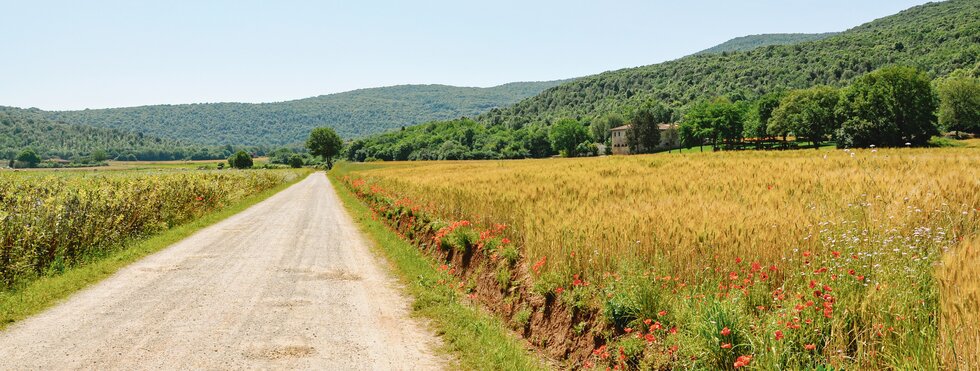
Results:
x,y
148,165
795,259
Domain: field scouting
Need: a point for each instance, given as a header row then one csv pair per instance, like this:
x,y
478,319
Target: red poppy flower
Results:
x,y
810,346
726,345
725,331
743,361
779,335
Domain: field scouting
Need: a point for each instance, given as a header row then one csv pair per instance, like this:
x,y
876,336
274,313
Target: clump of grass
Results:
x,y
960,303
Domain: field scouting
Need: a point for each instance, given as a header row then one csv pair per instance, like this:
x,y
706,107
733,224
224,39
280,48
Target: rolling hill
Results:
x,y
21,129
746,43
937,38
352,114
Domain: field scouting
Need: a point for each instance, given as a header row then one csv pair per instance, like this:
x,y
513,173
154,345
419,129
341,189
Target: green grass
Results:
x,y
47,291
479,340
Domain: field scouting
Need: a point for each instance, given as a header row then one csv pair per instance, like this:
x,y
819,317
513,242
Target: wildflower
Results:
x,y
559,290
726,345
806,254
850,271
662,313
743,361
738,260
650,338
836,254
647,321
860,278
507,241
725,331
778,335
810,346
628,330
537,266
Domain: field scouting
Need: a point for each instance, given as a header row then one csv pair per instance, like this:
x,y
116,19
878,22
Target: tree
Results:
x,y
717,120
566,135
959,102
896,103
324,142
27,158
296,161
759,115
808,113
600,127
643,136
538,144
697,126
240,160
99,155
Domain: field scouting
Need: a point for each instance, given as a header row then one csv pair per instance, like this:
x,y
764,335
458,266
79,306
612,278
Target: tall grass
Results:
x,y
50,222
959,278
813,258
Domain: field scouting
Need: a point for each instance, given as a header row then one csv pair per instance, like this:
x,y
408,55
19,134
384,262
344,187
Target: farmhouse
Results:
x,y
620,145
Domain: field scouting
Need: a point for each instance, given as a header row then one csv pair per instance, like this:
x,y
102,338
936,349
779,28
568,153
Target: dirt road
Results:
x,y
286,284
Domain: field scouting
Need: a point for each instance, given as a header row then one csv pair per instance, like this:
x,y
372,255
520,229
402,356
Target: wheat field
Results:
x,y
791,259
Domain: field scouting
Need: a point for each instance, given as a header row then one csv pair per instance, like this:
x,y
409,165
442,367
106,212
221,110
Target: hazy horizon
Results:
x,y
68,56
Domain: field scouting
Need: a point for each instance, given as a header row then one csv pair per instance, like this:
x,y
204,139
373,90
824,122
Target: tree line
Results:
x,y
888,107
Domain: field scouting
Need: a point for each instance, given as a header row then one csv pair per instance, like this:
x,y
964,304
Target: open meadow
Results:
x,y
774,260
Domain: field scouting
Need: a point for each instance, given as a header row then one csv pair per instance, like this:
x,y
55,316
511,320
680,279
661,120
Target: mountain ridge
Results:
x,y
353,113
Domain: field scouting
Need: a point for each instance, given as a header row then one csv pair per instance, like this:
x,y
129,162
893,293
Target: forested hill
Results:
x,y
937,38
746,43
26,129
352,114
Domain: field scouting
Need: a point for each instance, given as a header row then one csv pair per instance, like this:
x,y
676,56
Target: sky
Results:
x,y
60,55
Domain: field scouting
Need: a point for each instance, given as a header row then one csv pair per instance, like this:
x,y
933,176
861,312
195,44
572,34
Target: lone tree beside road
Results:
x,y
324,142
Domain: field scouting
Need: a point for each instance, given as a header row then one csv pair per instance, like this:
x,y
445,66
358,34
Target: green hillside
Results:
x,y
352,114
937,38
746,43
23,129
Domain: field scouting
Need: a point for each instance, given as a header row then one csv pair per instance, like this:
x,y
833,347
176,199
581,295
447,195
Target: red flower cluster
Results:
x,y
743,361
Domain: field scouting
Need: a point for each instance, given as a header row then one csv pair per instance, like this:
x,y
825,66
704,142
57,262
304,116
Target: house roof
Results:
x,y
659,126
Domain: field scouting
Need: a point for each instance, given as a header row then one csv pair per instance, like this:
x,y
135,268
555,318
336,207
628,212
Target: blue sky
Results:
x,y
97,54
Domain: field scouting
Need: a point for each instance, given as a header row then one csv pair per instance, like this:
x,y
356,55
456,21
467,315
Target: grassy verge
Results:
x,y
47,291
479,340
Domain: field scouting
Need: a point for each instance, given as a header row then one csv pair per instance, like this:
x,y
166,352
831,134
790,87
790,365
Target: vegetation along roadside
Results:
x,y
97,224
479,340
